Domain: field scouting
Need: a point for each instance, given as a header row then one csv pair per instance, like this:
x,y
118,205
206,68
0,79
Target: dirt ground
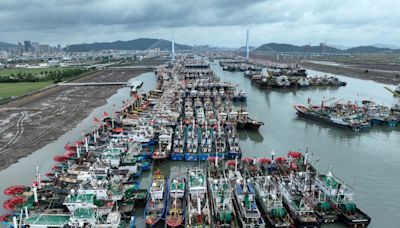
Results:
x,y
29,123
386,76
383,73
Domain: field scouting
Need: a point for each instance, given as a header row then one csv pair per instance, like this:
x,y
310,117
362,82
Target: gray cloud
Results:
x,y
214,22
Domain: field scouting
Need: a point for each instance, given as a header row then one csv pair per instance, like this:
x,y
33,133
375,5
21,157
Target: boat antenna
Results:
x,y
172,45
247,44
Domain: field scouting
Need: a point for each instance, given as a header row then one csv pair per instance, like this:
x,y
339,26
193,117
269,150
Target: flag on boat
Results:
x,y
96,120
105,113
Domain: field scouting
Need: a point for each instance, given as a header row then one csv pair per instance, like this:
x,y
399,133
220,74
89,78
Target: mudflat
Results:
x,y
31,122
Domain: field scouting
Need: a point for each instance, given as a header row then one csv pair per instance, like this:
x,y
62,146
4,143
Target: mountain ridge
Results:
x,y
136,44
283,47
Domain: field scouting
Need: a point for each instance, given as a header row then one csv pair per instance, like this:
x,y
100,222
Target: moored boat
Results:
x,y
156,199
176,205
198,211
271,202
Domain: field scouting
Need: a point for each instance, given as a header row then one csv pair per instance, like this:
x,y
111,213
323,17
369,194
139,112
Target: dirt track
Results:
x,y
29,123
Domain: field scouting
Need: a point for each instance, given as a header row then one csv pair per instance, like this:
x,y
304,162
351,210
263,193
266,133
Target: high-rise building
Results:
x,y
44,48
36,46
20,48
27,46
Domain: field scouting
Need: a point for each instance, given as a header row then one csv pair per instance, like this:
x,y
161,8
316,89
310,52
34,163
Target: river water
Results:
x,y
367,160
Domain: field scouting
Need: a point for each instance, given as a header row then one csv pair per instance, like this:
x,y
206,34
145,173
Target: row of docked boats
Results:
x,y
250,192
273,76
95,183
352,116
206,119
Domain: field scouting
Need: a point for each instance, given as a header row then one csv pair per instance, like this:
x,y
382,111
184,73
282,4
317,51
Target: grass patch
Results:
x,y
34,71
20,88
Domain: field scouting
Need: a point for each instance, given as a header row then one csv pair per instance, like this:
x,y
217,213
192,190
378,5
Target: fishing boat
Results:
x,y
271,201
206,142
245,122
300,210
192,143
233,144
198,211
220,194
341,198
176,205
163,149
177,153
245,204
320,115
239,96
219,142
156,199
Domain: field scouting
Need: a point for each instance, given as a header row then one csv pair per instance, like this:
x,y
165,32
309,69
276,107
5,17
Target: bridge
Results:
x,y
134,84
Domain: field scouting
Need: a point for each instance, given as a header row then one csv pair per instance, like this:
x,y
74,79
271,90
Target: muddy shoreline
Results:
x,y
382,73
29,123
360,72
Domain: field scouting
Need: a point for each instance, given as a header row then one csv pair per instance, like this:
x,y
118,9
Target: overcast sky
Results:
x,y
214,22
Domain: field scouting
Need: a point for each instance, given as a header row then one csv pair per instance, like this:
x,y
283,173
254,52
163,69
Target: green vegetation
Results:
x,y
39,75
20,88
34,71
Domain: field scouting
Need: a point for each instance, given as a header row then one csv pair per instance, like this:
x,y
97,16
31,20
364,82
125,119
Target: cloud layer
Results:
x,y
219,23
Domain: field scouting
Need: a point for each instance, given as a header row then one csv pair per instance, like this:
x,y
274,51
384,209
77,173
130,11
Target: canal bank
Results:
x,y
23,172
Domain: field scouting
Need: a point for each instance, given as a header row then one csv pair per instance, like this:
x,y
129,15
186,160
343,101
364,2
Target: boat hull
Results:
x,y
329,122
191,157
177,157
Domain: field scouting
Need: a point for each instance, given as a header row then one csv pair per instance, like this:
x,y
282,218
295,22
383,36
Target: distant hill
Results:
x,y
380,45
4,45
137,44
293,48
367,49
275,47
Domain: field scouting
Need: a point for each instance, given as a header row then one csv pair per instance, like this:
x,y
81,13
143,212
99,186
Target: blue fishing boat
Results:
x,y
245,204
192,141
233,144
147,152
206,142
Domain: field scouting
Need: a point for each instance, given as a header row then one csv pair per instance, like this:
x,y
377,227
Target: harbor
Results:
x,y
202,139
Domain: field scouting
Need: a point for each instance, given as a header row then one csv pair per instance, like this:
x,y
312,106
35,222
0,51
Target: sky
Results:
x,y
195,22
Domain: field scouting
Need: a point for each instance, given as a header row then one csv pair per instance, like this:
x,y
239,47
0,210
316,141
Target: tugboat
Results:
x,y
341,196
245,204
198,211
270,199
176,205
156,199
